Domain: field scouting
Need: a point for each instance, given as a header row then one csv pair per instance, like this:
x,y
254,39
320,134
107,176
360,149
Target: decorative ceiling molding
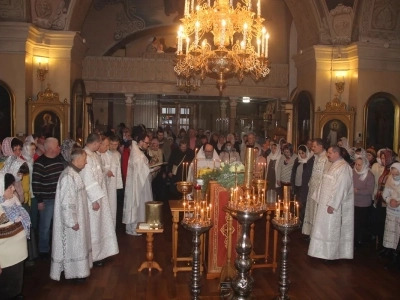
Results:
x,y
13,10
337,26
128,21
380,22
50,14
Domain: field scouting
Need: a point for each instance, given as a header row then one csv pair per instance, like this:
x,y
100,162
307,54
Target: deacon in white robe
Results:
x,y
71,246
321,164
391,195
332,236
138,186
111,160
104,239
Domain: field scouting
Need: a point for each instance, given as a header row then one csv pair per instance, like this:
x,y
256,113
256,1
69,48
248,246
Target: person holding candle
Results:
x,y
332,235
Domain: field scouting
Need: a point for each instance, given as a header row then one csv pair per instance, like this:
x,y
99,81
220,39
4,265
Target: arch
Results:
x,y
387,117
8,128
303,106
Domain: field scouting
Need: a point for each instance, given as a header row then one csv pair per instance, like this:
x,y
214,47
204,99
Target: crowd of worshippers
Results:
x,y
60,202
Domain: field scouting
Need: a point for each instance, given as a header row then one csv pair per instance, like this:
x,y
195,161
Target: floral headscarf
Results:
x,y
6,146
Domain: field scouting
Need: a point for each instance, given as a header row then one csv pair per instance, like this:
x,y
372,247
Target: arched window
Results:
x,y
6,111
381,126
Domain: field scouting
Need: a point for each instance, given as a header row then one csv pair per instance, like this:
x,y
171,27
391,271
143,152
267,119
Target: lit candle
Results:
x,y
266,45
183,170
184,209
277,211
222,38
187,45
286,213
208,212
192,6
231,3
245,26
186,8
258,8
209,2
297,210
203,44
196,33
202,214
249,4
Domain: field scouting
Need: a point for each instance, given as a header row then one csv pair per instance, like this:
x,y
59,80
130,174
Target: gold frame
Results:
x,y
335,110
396,131
13,104
49,101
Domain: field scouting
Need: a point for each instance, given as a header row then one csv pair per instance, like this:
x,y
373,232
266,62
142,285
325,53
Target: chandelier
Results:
x,y
187,84
232,52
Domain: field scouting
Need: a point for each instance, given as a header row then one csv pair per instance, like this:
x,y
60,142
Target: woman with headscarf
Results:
x,y
67,147
381,173
371,155
14,228
303,155
363,181
391,195
272,165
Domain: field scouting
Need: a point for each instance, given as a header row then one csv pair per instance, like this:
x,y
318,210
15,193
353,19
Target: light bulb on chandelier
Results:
x,y
232,53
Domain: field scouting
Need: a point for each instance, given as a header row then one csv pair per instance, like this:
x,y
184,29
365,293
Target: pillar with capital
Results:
x,y
129,110
232,114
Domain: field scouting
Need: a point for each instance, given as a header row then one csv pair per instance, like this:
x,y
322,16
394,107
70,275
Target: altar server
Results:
x,y
72,248
112,167
104,240
332,235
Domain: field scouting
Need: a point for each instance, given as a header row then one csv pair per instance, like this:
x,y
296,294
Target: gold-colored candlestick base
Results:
x,y
184,187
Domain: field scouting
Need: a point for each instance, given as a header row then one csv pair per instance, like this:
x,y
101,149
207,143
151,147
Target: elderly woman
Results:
x,y
14,227
391,195
363,181
371,155
229,153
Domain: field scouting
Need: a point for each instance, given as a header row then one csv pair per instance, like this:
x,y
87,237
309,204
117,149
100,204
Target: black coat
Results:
x,y
305,179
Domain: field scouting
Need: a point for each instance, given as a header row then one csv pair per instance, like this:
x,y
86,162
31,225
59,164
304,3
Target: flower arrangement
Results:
x,y
228,175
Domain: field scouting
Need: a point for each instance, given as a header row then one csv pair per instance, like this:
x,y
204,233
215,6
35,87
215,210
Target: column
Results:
x,y
128,113
223,108
222,125
232,114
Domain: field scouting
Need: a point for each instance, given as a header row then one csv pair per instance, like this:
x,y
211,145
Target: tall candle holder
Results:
x,y
242,283
198,223
285,221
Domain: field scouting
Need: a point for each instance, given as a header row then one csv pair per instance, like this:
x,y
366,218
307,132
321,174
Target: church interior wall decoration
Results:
x,y
335,122
48,115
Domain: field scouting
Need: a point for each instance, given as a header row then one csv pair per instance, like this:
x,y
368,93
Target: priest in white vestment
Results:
x,y
321,164
207,157
138,185
104,239
71,247
332,235
111,160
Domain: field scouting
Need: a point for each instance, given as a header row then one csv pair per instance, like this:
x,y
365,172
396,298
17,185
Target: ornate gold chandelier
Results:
x,y
232,52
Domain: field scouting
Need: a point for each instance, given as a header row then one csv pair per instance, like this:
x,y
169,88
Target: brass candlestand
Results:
x,y
242,283
285,223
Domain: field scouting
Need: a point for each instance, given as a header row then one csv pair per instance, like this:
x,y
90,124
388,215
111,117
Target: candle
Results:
x,y
196,33
297,210
286,213
258,8
184,209
222,38
231,3
186,8
208,212
202,214
183,170
277,211
192,6
209,2
245,26
187,45
266,45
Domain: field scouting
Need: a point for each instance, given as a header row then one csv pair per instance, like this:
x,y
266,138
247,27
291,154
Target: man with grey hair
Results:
x,y
104,240
72,247
251,141
46,172
332,235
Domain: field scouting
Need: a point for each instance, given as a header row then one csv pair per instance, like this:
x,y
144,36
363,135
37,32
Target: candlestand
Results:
x,y
285,227
197,229
242,283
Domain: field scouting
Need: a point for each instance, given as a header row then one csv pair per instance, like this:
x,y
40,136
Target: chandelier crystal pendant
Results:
x,y
239,47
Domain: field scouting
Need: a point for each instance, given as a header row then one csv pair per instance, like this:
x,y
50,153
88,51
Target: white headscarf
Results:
x,y
396,165
2,175
277,155
308,155
365,168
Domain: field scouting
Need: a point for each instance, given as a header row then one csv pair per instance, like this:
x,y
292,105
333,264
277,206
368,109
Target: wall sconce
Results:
x,y
340,81
42,70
